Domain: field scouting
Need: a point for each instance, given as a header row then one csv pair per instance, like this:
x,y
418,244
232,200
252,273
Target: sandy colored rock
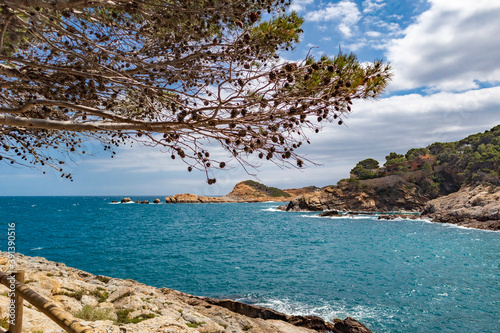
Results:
x,y
119,293
166,310
472,206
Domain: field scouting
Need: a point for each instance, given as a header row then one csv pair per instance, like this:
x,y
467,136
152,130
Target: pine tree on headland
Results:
x,y
180,75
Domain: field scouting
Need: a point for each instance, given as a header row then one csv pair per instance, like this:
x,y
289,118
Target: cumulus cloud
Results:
x,y
399,123
300,5
346,12
450,47
373,34
370,6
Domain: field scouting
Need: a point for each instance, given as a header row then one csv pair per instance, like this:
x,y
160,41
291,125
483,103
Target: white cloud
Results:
x,y
398,123
300,5
450,47
370,6
373,34
346,12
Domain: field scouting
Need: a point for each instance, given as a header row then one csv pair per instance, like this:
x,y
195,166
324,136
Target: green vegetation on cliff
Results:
x,y
270,191
442,168
473,159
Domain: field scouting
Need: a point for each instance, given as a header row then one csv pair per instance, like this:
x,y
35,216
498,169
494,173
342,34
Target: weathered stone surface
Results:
x,y
157,201
119,293
126,200
89,300
472,206
174,311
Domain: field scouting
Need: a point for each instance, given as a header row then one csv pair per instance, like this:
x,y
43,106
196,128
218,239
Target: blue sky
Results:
x,y
446,86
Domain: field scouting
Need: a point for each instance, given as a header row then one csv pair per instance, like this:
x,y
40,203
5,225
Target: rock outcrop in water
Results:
x,y
245,191
472,206
112,305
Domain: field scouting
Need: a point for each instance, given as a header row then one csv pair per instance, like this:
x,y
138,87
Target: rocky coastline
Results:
x,y
388,194
473,206
110,305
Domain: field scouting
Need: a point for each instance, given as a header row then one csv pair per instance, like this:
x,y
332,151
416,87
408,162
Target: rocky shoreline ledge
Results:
x,y
110,305
472,206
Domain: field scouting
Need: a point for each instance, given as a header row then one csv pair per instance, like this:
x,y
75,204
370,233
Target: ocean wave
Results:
x,y
272,209
326,310
36,249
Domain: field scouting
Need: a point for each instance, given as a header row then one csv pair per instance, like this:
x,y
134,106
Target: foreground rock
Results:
x,y
472,206
115,306
391,193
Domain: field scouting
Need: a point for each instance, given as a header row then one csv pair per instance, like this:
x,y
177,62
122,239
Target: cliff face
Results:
x,y
391,194
472,206
113,306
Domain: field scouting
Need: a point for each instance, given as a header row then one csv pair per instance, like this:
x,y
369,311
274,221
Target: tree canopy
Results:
x,y
181,75
415,152
394,159
366,169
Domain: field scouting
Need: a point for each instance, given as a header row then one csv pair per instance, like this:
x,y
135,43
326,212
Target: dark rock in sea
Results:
x,y
157,201
330,213
144,202
114,201
350,325
126,200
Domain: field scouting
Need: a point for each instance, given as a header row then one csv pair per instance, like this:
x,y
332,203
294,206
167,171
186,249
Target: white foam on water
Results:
x,y
455,226
327,311
36,249
272,209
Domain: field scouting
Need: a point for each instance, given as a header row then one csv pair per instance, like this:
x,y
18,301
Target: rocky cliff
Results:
x,y
245,191
110,305
476,206
376,195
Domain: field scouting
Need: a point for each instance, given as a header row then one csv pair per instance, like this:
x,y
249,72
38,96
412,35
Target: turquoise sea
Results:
x,y
394,276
